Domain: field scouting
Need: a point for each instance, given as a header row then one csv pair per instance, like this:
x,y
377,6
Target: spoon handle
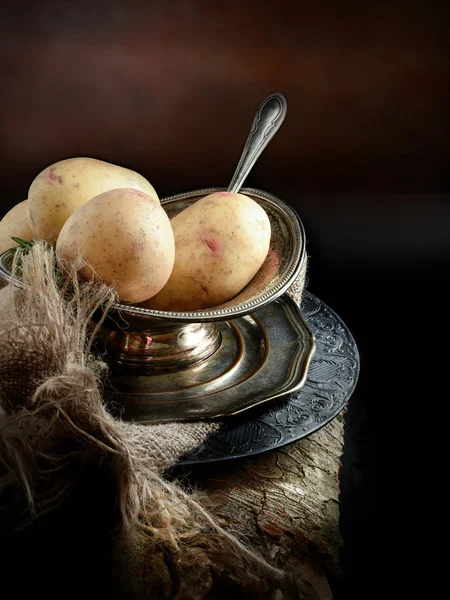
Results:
x,y
266,123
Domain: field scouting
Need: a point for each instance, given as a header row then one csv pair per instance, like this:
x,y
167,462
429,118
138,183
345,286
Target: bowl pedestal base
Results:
x,y
208,370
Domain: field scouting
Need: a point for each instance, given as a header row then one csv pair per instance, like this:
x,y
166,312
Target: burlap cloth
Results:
x,y
52,419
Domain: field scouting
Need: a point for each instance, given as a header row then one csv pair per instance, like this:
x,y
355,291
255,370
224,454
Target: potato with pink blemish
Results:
x,y
15,224
66,185
221,241
125,239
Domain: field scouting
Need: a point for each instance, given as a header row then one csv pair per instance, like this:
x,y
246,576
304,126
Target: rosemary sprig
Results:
x,y
23,247
22,243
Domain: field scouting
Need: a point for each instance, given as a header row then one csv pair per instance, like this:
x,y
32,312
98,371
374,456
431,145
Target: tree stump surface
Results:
x,y
285,503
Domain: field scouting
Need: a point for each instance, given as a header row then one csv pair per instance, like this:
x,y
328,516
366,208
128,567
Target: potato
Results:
x,y
126,239
221,241
15,223
64,186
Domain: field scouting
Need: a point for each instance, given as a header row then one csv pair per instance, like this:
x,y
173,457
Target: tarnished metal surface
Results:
x,y
262,356
163,346
332,378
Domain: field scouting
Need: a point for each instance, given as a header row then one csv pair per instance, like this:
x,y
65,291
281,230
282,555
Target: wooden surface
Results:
x,y
285,503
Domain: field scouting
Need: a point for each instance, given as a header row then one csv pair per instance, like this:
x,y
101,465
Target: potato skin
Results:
x,y
221,241
66,185
15,223
126,239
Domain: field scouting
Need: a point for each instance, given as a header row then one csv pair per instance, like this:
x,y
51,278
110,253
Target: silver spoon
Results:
x,y
268,119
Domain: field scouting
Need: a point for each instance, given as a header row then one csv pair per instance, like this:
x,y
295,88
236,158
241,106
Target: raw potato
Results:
x,y
66,185
126,238
221,241
15,223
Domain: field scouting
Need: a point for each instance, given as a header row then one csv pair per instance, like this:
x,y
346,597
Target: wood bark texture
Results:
x,y
285,504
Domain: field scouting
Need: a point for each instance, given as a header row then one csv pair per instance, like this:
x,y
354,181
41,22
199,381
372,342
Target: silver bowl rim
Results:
x,y
219,314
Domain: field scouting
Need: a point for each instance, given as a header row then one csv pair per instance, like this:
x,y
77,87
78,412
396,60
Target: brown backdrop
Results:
x,y
170,88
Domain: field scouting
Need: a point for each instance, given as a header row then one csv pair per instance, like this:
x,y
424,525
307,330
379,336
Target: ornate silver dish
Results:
x,y
331,380
201,364
219,361
167,366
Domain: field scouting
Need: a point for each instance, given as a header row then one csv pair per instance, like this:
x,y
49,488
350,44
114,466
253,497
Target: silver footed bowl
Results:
x,y
147,341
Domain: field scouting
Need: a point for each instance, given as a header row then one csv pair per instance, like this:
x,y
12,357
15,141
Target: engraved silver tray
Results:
x,y
331,380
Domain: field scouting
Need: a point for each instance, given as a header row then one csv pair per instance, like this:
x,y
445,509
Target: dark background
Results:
x,y
169,89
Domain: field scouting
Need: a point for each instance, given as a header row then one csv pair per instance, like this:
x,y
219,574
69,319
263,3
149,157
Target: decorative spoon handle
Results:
x,y
266,123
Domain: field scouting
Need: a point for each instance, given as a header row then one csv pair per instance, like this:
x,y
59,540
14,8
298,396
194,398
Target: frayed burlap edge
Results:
x,y
51,399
